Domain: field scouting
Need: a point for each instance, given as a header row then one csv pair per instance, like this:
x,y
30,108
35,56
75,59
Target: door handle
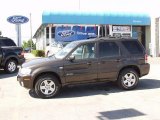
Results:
x,y
61,68
118,60
88,63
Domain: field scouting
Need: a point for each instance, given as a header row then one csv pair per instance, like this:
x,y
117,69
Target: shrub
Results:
x,y
38,53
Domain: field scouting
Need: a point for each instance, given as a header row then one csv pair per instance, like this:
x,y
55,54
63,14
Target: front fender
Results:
x,y
42,70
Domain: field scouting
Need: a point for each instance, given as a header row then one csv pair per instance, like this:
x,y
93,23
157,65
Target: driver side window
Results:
x,y
85,51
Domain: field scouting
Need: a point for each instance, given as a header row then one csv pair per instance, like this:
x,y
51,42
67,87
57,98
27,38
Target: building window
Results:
x,y
102,31
53,32
47,32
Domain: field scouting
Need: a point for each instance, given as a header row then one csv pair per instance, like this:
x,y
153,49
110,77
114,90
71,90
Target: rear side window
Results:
x,y
108,49
7,42
133,47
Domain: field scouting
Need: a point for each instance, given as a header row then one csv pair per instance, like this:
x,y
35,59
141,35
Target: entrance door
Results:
x,y
84,67
138,32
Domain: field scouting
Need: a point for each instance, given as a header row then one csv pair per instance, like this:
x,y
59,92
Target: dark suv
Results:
x,y
10,55
87,61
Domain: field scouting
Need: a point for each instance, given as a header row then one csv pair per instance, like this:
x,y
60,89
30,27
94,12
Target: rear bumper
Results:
x,y
144,69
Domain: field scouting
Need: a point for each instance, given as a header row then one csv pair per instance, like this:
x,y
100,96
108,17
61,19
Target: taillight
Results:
x,y
146,58
22,54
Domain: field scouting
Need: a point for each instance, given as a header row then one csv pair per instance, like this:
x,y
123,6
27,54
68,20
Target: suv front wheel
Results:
x,y
128,79
47,86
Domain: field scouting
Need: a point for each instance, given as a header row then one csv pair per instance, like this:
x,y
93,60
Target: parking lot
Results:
x,y
87,102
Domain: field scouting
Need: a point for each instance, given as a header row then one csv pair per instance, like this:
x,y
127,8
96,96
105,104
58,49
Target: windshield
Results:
x,y
67,49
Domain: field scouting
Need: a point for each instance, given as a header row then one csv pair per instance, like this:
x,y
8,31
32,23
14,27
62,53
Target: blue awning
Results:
x,y
95,18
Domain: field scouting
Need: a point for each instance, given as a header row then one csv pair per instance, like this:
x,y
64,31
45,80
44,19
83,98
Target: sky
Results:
x,y
36,8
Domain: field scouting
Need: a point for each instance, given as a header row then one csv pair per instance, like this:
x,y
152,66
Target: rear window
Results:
x,y
7,42
133,47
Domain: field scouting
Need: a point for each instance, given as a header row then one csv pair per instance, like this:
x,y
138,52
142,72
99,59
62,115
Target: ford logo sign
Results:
x,y
17,19
66,33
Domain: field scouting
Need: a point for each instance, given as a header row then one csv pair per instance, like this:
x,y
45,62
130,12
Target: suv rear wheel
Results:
x,y
128,79
11,66
47,86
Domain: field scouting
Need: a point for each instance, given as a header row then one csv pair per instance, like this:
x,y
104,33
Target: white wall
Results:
x,y
40,41
148,39
152,46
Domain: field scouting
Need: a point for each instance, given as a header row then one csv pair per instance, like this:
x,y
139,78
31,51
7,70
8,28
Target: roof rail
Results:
x,y
120,37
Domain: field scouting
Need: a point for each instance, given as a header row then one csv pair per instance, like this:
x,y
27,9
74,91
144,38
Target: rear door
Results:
x,y
0,55
109,60
84,67
0,51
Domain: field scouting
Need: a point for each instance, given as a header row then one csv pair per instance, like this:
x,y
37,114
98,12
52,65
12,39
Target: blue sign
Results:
x,y
17,19
66,33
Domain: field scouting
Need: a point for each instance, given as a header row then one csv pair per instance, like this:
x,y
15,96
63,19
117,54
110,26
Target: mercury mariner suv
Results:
x,y
122,60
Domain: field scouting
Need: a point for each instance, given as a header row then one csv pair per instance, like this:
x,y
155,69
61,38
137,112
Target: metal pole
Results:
x,y
18,30
31,30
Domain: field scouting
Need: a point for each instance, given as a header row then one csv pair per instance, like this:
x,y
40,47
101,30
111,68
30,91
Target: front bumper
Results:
x,y
25,81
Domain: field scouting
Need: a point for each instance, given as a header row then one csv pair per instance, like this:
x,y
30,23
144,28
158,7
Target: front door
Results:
x,y
84,67
109,61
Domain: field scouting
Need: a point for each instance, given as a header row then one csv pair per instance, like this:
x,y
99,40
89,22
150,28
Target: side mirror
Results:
x,y
71,58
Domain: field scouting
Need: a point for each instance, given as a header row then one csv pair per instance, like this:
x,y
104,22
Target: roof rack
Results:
x,y
109,36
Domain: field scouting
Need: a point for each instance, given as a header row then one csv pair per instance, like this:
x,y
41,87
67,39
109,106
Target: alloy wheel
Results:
x,y
129,79
47,87
11,66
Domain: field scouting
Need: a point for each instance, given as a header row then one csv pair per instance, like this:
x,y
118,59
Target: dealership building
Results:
x,y
67,27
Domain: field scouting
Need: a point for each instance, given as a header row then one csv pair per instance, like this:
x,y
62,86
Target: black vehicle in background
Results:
x,y
10,55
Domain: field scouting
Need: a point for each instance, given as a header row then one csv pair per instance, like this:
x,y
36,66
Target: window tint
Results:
x,y
7,42
108,49
133,47
85,51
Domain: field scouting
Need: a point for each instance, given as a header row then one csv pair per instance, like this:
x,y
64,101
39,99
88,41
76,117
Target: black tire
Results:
x,y
128,79
47,86
11,66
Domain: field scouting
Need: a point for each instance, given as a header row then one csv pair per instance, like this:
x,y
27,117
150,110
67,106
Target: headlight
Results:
x,y
25,71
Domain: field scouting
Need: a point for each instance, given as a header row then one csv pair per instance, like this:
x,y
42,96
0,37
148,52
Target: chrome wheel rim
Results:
x,y
129,79
11,66
47,87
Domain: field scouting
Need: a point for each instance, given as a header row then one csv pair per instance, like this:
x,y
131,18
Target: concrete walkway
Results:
x,y
154,60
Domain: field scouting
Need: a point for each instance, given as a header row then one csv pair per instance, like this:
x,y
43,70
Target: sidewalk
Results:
x,y
154,60
29,56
